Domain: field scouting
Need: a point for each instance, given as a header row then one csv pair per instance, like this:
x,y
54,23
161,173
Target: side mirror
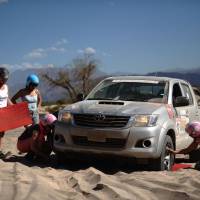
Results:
x,y
181,101
80,97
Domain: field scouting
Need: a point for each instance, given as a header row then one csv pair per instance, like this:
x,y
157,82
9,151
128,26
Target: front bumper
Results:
x,y
126,142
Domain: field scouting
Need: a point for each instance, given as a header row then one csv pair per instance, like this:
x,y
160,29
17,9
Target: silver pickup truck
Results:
x,y
129,116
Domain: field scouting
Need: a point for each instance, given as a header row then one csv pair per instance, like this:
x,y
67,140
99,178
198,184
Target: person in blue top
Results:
x,y
32,96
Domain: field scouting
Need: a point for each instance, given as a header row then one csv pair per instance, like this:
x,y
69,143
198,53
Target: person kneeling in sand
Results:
x,y
33,140
193,129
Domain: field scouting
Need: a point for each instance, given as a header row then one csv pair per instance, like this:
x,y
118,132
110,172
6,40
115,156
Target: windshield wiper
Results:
x,y
135,99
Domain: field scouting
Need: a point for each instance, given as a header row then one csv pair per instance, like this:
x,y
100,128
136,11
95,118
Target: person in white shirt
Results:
x,y
4,100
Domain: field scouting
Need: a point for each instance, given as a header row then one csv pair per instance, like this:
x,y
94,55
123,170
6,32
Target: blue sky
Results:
x,y
136,36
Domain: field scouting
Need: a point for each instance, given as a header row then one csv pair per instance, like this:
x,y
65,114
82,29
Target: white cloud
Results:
x,y
62,41
87,51
5,65
26,65
36,53
92,51
106,54
50,65
3,1
41,53
56,49
11,67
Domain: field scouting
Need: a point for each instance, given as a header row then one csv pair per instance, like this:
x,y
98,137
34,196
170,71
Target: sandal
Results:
x,y
5,155
1,155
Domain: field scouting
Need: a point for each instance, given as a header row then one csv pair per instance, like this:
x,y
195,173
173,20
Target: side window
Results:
x,y
176,92
187,93
197,95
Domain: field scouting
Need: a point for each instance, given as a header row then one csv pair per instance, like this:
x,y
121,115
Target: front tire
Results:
x,y
166,159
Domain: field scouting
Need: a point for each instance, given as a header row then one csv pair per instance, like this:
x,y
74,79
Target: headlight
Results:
x,y
145,120
65,117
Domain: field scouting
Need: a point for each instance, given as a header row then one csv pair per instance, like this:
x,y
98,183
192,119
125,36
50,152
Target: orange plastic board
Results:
x,y
14,116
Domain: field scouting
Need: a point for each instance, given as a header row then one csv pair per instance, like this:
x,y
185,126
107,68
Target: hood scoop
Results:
x,y
111,102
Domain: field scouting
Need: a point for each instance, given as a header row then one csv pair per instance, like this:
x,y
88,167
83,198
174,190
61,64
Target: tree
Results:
x,y
79,77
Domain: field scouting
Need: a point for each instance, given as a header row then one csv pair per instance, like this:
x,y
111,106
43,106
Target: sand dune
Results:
x,y
21,181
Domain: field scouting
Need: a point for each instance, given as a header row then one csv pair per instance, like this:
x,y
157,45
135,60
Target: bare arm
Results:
x,y
19,94
9,102
187,150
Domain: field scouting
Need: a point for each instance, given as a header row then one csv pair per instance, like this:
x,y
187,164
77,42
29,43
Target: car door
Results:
x,y
184,114
192,108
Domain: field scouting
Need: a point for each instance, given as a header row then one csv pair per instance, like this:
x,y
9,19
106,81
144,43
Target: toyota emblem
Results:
x,y
100,117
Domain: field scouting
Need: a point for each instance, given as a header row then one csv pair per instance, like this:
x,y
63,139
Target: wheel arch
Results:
x,y
165,132
160,162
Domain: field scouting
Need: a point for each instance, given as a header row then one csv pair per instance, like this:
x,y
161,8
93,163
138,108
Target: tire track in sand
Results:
x,y
17,183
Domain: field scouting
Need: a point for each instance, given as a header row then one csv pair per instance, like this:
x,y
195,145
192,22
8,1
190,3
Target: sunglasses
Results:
x,y
33,84
2,79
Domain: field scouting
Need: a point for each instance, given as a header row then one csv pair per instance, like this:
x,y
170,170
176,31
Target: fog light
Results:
x,y
146,143
59,138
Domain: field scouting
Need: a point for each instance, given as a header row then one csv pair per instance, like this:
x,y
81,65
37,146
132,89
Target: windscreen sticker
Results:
x,y
181,124
183,112
170,111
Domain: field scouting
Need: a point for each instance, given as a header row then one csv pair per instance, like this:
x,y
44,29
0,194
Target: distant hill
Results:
x,y
192,76
17,80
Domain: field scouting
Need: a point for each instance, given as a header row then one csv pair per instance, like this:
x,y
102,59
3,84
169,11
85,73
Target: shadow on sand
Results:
x,y
108,166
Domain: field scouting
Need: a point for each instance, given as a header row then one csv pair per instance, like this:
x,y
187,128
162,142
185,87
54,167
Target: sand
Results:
x,y
22,180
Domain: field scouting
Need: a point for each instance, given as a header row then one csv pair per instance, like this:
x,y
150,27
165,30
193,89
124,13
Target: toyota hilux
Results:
x,y
129,116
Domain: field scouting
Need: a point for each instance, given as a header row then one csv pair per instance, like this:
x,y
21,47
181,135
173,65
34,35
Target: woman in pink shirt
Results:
x,y
33,140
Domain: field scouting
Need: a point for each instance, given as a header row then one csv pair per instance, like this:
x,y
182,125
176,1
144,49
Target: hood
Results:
x,y
113,107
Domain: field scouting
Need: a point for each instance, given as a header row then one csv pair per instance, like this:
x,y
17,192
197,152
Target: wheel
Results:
x,y
166,160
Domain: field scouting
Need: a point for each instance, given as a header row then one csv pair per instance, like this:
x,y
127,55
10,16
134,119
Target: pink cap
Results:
x,y
48,119
193,129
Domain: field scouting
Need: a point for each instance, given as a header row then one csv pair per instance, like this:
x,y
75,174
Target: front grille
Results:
x,y
109,142
98,120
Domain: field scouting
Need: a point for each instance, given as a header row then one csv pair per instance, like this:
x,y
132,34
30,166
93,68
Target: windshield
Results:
x,y
130,90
